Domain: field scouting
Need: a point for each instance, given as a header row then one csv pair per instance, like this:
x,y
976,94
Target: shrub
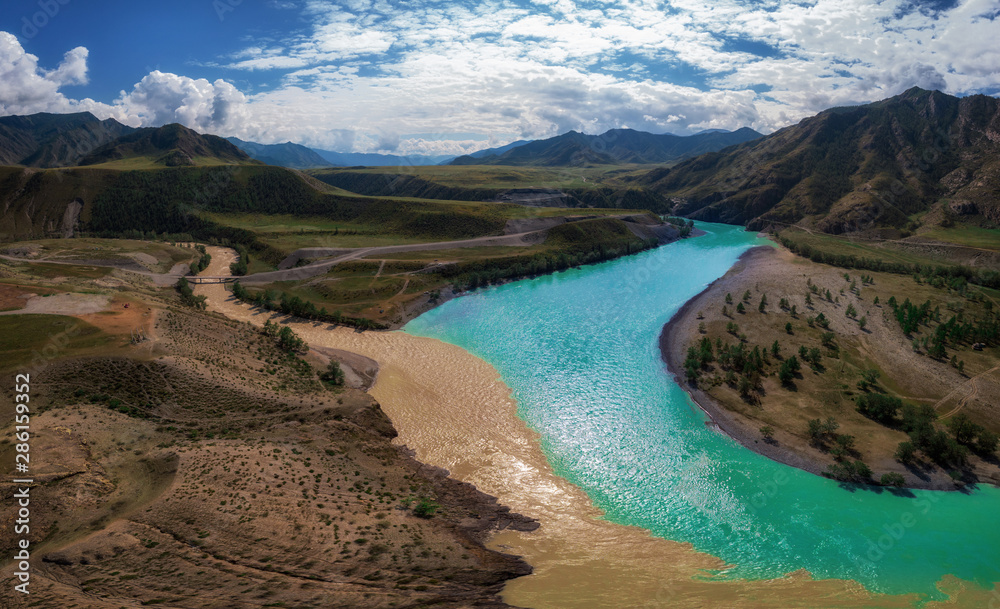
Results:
x,y
425,508
892,479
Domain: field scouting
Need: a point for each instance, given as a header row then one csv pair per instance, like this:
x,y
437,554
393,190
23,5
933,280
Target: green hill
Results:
x,y
172,145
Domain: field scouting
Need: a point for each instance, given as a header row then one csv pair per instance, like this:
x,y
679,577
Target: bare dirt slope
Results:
x,y
207,468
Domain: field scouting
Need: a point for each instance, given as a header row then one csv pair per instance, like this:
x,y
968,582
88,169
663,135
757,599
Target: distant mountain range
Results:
x,y
66,140
614,147
370,159
488,152
852,169
919,157
293,156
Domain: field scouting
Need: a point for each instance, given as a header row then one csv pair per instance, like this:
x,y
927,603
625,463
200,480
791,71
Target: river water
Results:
x,y
579,351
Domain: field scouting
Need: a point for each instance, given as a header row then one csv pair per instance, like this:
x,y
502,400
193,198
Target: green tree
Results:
x,y
906,452
869,378
187,294
879,407
740,309
862,322
270,328
746,296
788,327
964,430
729,298
289,341
986,445
815,429
786,372
333,375
768,433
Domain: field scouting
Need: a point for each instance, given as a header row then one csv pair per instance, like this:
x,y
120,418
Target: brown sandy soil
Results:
x,y
915,378
14,297
235,479
454,412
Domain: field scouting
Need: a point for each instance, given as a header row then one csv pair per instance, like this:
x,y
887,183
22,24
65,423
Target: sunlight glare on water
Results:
x,y
579,350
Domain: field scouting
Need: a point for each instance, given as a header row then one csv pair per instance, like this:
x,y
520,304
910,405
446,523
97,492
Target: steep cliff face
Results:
x,y
852,169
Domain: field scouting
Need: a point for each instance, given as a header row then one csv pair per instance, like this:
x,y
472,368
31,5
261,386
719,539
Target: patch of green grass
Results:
x,y
108,249
25,338
971,236
493,176
859,248
50,271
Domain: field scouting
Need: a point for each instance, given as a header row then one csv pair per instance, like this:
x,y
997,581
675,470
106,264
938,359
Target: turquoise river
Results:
x,y
580,351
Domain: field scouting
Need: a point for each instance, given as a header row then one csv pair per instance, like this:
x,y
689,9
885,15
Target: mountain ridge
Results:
x,y
850,169
289,154
47,140
613,147
172,145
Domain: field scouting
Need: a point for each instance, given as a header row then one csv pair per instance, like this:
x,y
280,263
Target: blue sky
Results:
x,y
425,76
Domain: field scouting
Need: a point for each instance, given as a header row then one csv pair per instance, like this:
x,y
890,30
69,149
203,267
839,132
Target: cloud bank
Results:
x,y
365,75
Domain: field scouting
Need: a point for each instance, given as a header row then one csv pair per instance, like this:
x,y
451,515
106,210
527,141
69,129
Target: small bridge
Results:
x,y
200,280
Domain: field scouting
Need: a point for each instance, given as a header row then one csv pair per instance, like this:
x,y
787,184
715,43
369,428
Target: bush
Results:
x,y
425,508
857,471
892,479
187,295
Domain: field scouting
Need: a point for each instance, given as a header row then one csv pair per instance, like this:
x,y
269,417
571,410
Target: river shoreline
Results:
x,y
673,346
765,265
453,411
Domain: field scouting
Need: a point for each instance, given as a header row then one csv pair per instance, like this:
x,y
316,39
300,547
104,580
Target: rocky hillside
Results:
x,y
54,140
853,169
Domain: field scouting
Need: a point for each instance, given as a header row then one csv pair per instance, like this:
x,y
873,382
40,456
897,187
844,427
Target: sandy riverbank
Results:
x,y
454,411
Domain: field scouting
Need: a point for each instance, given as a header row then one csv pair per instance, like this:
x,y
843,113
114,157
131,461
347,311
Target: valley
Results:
x,y
406,386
